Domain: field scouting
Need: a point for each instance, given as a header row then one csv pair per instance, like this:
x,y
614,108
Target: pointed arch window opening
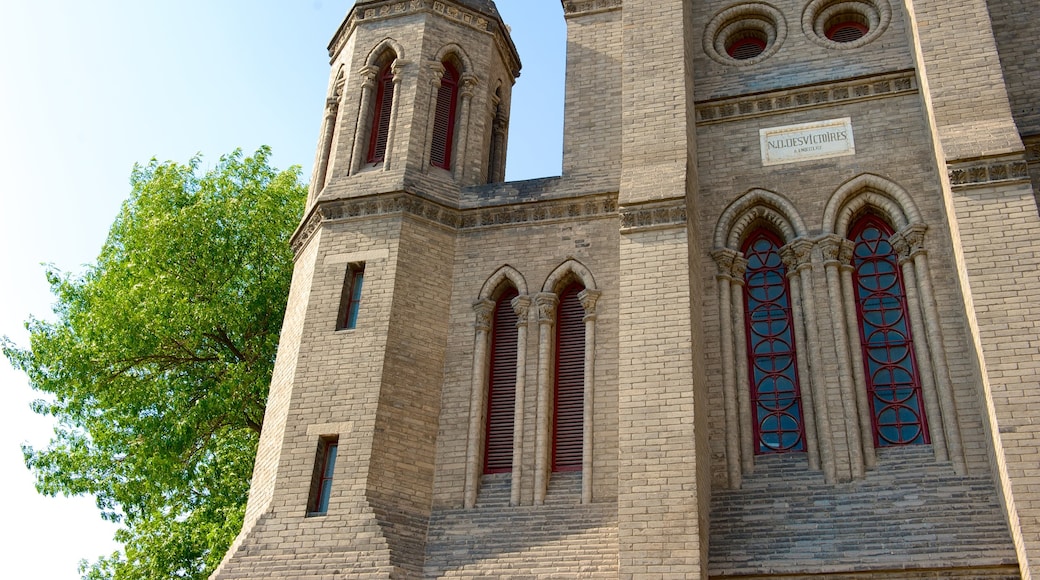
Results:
x,y
892,375
444,119
776,401
501,399
568,396
382,110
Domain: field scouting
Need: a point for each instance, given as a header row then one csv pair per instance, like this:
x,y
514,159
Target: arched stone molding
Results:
x,y
547,301
467,81
755,208
894,204
752,206
886,197
387,51
323,164
483,310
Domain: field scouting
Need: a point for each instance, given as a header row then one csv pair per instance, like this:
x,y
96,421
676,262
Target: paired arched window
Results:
x,y
382,109
501,399
445,117
893,383
568,397
776,405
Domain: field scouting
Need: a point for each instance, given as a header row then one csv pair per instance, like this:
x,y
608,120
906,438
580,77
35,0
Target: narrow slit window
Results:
x,y
444,118
383,107
569,397
350,304
321,482
498,450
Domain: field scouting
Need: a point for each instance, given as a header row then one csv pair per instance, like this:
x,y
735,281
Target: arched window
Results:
x,y
776,404
893,382
444,118
569,400
382,108
501,400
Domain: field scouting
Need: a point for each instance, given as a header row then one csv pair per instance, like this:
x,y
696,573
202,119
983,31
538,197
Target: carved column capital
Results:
x,y
908,242
588,300
484,310
546,303
396,69
467,84
368,76
436,69
797,254
724,259
836,250
522,307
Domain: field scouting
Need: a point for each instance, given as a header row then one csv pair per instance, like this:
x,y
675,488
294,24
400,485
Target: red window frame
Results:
x,y
846,31
444,118
893,380
569,390
746,48
350,303
324,468
776,398
382,109
501,398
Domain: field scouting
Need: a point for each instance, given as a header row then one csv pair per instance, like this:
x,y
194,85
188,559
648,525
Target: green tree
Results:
x,y
157,366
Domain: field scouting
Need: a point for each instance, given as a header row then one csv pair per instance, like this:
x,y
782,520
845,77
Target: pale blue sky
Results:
x,y
89,88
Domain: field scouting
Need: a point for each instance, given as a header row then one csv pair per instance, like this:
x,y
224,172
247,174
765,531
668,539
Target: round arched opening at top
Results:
x,y
846,28
746,46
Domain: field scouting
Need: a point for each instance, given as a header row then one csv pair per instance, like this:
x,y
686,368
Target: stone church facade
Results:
x,y
779,317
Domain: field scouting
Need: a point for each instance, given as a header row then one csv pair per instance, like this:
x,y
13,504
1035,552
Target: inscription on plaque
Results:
x,y
807,141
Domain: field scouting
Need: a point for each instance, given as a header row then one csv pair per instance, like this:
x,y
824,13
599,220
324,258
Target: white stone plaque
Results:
x,y
807,141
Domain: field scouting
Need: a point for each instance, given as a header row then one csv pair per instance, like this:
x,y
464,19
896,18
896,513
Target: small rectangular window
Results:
x,y
350,303
321,482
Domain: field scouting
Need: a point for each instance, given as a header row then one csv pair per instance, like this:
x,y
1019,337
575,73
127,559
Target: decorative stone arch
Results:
x,y
333,103
754,205
387,52
547,301
483,310
467,82
747,213
886,197
891,202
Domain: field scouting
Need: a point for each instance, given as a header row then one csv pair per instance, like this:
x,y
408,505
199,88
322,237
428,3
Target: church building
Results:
x,y
779,317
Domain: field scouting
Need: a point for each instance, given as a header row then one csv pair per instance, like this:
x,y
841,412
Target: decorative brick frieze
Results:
x,y
887,85
987,171
582,7
375,206
1032,144
653,216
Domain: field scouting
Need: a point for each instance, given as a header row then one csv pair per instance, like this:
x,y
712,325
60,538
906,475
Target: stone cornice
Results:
x,y
396,8
599,206
668,214
759,105
985,172
583,7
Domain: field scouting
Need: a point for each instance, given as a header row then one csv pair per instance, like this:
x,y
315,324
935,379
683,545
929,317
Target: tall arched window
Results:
x,y
776,403
501,400
893,383
382,108
444,118
569,399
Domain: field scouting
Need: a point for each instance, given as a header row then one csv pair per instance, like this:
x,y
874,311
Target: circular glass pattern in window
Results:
x,y
845,23
744,34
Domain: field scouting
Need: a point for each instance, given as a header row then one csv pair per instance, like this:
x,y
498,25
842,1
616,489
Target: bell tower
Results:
x,y
417,110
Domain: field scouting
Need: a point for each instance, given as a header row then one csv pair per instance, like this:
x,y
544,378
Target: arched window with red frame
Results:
x,y
569,394
893,382
444,118
776,401
501,399
382,109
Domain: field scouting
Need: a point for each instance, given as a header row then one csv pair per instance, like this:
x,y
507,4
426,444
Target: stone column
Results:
x,y
395,107
466,86
913,258
331,114
521,305
546,303
368,83
724,259
835,250
797,256
859,376
484,310
588,300
745,414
